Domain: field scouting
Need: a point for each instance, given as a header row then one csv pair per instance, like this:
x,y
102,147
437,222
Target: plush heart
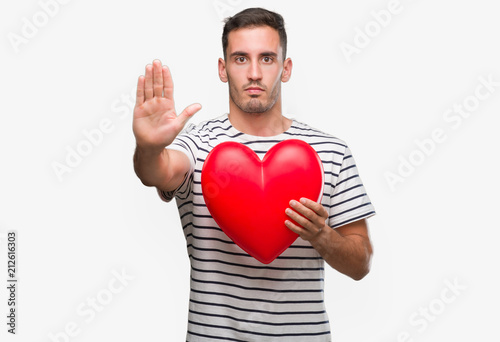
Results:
x,y
247,197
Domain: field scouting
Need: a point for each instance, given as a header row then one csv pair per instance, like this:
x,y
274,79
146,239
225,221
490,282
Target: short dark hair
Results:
x,y
254,17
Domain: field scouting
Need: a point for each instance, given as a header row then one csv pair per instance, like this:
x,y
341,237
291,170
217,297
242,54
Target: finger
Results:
x,y
148,84
294,228
168,84
299,219
317,218
157,78
306,232
315,206
303,210
188,113
139,99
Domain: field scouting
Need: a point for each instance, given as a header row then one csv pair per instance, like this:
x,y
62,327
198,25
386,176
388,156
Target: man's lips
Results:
x,y
254,90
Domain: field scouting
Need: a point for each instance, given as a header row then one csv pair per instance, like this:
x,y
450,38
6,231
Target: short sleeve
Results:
x,y
349,201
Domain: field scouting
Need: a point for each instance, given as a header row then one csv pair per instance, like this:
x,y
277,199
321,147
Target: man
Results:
x,y
233,296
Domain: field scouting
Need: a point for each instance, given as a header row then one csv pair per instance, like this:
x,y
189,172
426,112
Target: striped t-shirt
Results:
x,y
233,296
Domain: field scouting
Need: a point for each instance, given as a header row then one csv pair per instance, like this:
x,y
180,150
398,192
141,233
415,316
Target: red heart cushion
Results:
x,y
247,197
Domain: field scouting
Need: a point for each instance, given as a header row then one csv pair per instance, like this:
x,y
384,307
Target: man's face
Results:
x,y
254,68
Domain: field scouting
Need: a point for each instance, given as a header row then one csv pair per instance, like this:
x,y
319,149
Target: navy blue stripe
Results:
x,y
211,129
278,324
300,127
262,289
327,143
227,135
217,250
347,168
202,216
258,333
183,204
260,311
347,179
330,162
261,142
302,269
209,239
347,200
186,214
185,194
329,184
202,227
247,255
348,210
330,151
298,258
346,190
229,274
331,173
191,202
216,136
203,238
301,247
194,143
251,299
308,135
354,219
215,337
213,121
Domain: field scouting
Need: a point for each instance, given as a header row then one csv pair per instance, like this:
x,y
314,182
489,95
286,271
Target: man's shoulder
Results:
x,y
208,126
315,134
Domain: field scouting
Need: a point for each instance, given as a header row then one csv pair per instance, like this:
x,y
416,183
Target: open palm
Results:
x,y
155,122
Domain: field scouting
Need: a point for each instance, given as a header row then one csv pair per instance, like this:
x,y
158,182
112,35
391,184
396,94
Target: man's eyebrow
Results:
x,y
269,54
243,53
238,53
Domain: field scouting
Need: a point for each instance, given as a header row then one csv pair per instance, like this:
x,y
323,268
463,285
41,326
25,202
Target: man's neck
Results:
x,y
265,124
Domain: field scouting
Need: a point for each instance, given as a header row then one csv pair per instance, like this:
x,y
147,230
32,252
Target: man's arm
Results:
x,y
155,126
347,249
164,170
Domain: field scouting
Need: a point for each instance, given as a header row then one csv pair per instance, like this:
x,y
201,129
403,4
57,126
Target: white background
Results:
x,y
437,226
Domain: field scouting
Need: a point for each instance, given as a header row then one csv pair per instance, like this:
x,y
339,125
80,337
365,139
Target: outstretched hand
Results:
x,y
155,122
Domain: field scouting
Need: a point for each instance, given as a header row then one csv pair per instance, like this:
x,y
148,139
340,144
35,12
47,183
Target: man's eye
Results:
x,y
241,59
267,59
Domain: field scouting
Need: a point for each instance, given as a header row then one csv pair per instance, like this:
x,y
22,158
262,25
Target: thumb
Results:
x,y
188,113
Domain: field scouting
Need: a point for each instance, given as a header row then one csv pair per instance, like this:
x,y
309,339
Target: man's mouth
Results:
x,y
254,90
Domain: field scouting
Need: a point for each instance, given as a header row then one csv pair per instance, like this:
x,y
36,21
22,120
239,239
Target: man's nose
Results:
x,y
254,71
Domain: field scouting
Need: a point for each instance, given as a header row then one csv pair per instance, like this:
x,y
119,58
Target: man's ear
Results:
x,y
222,70
287,70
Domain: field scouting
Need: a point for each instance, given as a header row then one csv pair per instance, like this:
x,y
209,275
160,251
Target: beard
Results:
x,y
255,104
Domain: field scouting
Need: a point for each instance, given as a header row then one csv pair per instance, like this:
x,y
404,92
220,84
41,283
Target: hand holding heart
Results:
x,y
310,215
